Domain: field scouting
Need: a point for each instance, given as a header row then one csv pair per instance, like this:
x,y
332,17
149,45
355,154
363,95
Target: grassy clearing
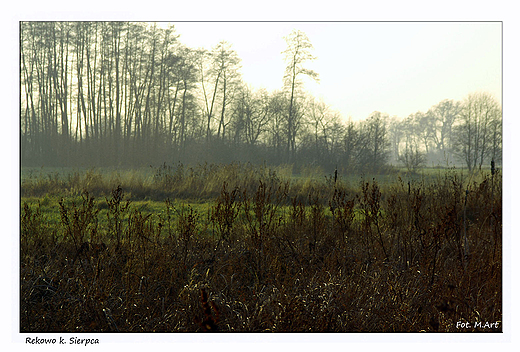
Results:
x,y
260,252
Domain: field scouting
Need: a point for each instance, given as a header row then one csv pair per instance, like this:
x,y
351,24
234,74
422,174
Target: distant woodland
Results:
x,y
131,94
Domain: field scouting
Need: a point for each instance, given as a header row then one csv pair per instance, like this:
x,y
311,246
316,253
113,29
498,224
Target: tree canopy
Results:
x,y
132,94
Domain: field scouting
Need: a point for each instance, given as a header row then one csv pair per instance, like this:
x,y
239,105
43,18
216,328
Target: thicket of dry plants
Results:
x,y
406,257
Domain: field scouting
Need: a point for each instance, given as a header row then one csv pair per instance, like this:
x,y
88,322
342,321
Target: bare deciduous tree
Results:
x,y
297,53
477,140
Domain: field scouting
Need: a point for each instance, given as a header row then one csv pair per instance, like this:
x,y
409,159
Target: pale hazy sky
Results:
x,y
397,68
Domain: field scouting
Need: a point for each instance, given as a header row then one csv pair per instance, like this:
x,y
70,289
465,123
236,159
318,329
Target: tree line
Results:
x,y
131,94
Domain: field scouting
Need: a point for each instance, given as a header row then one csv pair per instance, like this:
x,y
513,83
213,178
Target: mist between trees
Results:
x,y
131,94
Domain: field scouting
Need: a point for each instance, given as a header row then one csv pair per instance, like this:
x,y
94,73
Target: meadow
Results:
x,y
245,248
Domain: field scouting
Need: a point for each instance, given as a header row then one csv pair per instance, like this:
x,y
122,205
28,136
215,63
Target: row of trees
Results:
x,y
122,93
467,133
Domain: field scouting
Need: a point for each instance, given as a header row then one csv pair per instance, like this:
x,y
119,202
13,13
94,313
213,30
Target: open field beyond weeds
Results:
x,y
239,248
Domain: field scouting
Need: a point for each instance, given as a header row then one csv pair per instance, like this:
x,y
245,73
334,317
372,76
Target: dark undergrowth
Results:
x,y
327,258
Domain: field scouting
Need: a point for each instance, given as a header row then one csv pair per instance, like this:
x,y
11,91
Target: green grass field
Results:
x,y
254,249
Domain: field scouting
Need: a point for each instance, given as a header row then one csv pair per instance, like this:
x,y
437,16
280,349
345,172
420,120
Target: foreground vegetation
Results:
x,y
241,248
